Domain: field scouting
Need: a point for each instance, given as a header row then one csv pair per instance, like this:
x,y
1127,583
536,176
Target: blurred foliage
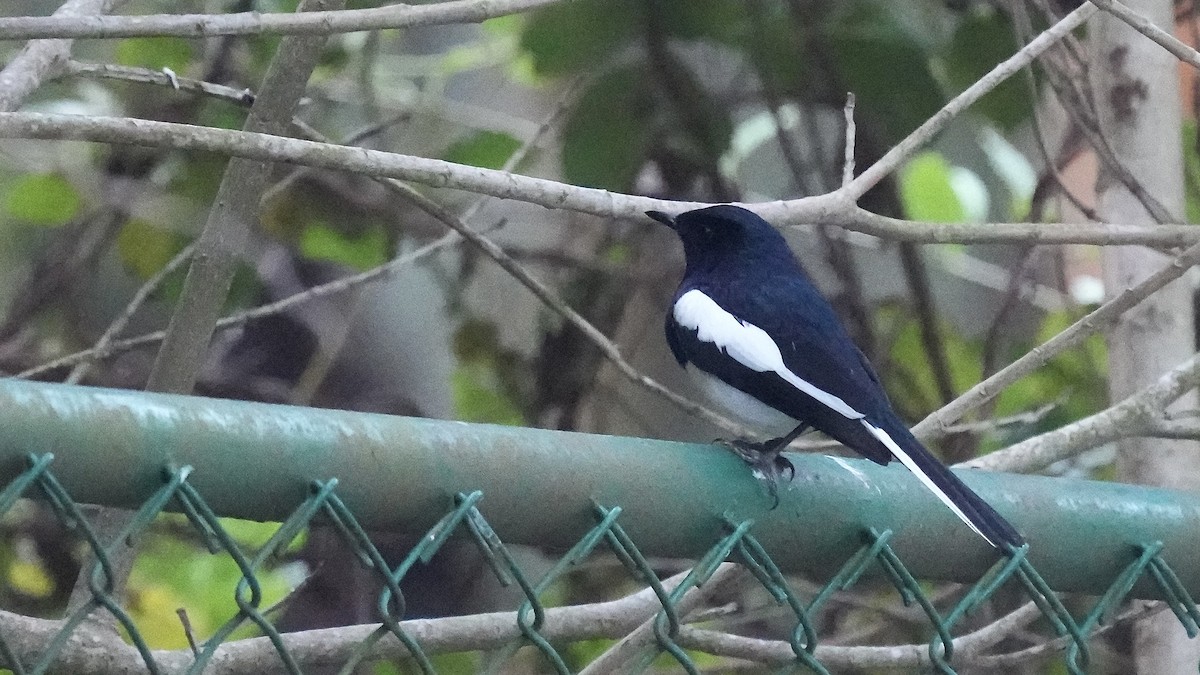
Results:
x,y
487,149
925,190
606,139
42,199
146,248
669,84
363,251
1191,170
172,573
488,381
155,53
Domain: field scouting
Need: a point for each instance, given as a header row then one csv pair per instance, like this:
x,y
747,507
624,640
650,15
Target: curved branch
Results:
x,y
930,128
832,208
1136,415
38,60
256,23
1074,335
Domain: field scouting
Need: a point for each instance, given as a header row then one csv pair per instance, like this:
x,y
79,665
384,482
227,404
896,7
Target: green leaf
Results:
x,y
925,190
487,149
984,40
1075,380
606,139
479,396
774,46
887,67
1191,170
574,36
155,53
170,574
42,199
362,252
145,248
908,348
698,19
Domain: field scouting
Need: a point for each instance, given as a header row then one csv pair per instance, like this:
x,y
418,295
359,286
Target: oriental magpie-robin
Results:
x,y
769,348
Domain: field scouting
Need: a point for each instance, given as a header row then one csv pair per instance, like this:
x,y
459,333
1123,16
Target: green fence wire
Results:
x,y
844,520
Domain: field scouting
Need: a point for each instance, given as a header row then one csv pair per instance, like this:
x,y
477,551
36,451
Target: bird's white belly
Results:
x,y
752,413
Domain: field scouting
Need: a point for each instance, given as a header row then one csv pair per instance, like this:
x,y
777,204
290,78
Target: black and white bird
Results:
x,y
769,348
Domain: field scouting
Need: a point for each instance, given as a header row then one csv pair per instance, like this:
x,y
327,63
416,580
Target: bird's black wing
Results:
x,y
827,382
811,339
738,353
676,341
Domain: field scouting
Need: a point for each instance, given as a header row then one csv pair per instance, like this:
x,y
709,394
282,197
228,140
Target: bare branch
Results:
x,y
618,658
147,76
1183,430
909,657
256,23
848,161
1100,234
1131,417
234,210
1138,610
1146,27
830,208
332,288
90,650
38,60
139,298
1103,316
924,133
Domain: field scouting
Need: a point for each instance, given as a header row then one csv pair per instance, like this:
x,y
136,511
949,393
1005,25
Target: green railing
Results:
x,y
841,519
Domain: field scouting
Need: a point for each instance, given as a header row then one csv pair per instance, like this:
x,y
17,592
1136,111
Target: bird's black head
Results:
x,y
726,234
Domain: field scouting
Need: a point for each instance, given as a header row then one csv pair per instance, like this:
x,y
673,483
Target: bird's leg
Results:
x,y
767,458
773,453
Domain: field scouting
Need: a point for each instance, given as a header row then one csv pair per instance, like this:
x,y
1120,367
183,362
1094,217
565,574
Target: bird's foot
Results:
x,y
767,459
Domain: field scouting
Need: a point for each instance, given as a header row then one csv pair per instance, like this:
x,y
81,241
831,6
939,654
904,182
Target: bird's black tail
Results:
x,y
970,507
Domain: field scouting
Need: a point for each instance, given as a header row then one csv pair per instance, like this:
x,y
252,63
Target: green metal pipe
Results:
x,y
400,474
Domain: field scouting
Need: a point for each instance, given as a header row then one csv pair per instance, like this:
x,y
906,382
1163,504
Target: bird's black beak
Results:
x,y
664,218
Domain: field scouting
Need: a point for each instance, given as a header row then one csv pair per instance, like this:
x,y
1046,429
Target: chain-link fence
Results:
x,y
1109,542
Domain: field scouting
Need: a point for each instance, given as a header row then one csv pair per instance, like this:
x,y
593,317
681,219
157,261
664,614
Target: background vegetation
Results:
x,y
689,100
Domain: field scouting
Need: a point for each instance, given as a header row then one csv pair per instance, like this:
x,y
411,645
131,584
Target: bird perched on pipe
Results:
x,y
769,348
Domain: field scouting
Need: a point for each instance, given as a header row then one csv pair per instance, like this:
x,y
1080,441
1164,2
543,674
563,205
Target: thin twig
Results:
x,y
1140,610
979,427
40,59
551,300
1183,430
830,208
1146,27
1131,417
258,23
1103,316
187,629
997,329
848,161
332,288
1075,95
480,241
145,75
619,657
909,657
1023,31
924,133
118,324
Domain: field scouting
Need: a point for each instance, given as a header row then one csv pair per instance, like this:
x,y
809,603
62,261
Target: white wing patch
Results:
x,y
926,480
748,344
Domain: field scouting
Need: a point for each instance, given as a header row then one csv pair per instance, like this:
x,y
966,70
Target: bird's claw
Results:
x,y
765,458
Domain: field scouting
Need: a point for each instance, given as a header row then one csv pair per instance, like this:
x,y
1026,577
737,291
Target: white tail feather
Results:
x,y
922,476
